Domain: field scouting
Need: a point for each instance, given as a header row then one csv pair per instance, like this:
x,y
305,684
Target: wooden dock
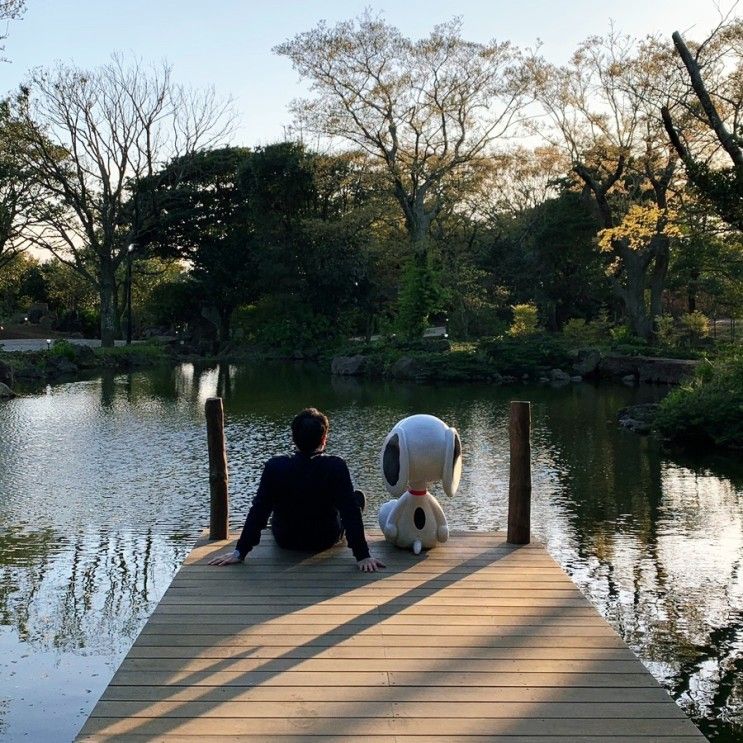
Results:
x,y
474,641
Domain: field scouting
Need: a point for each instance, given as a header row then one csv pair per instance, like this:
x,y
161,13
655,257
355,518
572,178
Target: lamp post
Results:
x,y
129,253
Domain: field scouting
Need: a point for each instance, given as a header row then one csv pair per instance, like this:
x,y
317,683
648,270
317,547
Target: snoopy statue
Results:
x,y
418,451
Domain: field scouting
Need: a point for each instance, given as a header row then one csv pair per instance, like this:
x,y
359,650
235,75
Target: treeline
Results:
x,y
623,215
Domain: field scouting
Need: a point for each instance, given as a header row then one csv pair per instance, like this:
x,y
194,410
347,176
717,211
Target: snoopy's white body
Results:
x,y
418,451
410,530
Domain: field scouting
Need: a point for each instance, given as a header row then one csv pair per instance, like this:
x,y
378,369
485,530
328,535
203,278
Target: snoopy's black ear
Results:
x,y
391,460
453,462
394,461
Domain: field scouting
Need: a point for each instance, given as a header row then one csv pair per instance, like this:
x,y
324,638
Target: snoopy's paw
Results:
x,y
442,533
390,532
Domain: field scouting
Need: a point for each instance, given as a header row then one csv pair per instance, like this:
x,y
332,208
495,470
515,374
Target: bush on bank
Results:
x,y
66,359
708,409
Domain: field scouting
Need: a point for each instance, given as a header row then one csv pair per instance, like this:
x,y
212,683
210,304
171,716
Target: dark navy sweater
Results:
x,y
312,501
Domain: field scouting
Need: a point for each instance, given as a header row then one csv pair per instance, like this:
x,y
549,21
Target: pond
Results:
x,y
103,489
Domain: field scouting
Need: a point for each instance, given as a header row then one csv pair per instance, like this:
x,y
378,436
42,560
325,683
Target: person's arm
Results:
x,y
255,522
350,513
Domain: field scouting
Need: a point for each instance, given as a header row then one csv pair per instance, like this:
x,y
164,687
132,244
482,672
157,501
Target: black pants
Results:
x,y
321,538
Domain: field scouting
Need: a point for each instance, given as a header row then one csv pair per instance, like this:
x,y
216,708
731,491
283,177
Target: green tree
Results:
x,y
197,211
313,218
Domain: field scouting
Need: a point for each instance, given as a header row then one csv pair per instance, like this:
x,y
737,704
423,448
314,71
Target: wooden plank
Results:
x,y
404,608
419,665
380,650
302,738
532,695
370,708
362,726
476,640
444,629
434,615
376,678
331,639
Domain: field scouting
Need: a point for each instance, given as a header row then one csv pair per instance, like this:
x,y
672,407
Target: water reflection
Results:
x,y
103,485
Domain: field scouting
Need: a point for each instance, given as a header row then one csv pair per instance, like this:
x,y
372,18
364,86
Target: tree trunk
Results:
x,y
225,320
107,290
691,297
632,293
661,254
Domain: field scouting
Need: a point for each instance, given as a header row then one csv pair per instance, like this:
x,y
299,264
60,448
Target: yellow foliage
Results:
x,y
640,225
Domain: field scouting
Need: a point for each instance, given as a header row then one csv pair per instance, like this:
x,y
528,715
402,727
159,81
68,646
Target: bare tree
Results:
x,y
10,10
602,109
426,110
88,138
713,162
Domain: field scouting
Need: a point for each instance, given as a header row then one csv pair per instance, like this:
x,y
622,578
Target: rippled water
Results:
x,y
103,487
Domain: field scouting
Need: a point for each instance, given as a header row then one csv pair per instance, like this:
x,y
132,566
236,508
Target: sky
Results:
x,y
227,43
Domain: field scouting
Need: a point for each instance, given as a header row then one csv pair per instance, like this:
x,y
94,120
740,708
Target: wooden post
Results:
x,y
519,485
218,510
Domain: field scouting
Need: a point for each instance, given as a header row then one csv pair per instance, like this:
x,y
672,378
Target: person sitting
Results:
x,y
311,498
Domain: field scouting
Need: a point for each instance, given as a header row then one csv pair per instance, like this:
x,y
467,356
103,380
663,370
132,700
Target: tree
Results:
x,y
313,217
195,209
88,137
603,110
18,193
714,69
277,226
10,10
426,111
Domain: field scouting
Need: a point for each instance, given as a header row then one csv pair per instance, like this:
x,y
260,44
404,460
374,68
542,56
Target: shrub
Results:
x,y
514,356
695,327
525,320
420,294
666,332
577,332
284,324
63,349
710,407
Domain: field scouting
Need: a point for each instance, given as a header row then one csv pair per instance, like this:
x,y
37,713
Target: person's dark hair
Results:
x,y
308,429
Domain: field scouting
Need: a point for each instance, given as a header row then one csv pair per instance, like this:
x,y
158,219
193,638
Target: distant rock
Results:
x,y
558,376
638,418
6,374
587,362
648,368
629,379
6,392
85,356
408,368
57,365
348,366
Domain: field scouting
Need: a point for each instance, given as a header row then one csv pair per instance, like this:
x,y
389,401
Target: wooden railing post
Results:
x,y
218,509
519,485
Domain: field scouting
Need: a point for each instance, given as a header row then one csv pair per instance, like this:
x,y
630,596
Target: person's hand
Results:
x,y
227,559
370,565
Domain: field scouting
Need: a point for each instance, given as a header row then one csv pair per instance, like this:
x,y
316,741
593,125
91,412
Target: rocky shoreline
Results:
x,y
586,364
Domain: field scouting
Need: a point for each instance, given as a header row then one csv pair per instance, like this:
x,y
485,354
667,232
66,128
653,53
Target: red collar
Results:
x,y
417,492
